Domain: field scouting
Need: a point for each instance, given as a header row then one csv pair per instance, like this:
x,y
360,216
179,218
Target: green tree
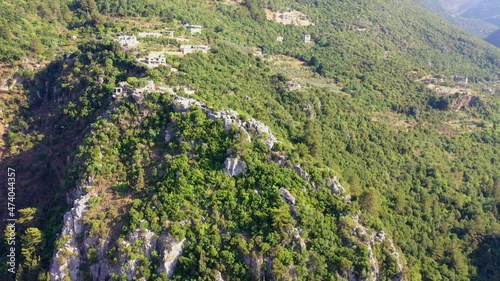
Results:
x,y
370,202
26,215
30,244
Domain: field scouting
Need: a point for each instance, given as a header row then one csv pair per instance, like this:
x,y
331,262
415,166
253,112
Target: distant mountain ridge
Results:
x,y
494,38
487,10
479,17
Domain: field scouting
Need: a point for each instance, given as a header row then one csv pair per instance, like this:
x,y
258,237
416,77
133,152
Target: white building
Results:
x,y
169,33
195,29
306,38
120,90
128,41
155,59
149,34
187,49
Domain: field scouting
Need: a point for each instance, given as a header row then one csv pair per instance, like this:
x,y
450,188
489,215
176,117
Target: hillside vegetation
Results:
x,y
364,172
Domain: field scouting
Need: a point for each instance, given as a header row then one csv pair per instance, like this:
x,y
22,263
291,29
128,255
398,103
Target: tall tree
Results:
x,y
30,244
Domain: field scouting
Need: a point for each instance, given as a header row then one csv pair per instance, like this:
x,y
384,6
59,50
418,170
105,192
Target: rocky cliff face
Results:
x,y
371,239
170,250
83,255
234,166
70,260
66,261
229,118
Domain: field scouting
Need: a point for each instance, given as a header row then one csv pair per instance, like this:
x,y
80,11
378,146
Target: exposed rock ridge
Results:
x,y
234,166
66,261
170,250
360,231
375,237
229,118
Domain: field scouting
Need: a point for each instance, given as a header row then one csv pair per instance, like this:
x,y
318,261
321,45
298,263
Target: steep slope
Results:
x,y
494,38
341,163
211,199
31,28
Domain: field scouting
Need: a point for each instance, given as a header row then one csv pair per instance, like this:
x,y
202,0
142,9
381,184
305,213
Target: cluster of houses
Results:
x,y
158,58
130,41
289,17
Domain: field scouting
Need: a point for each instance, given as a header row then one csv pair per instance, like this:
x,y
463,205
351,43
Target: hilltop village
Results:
x,y
152,48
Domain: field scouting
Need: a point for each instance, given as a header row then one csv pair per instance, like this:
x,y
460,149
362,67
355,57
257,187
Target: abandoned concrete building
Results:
x,y
125,88
150,85
194,29
121,89
149,34
117,91
306,38
187,49
128,41
169,33
257,51
292,86
158,59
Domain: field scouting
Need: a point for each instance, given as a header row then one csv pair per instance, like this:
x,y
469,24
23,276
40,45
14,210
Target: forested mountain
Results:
x,y
479,17
31,27
247,140
494,38
487,10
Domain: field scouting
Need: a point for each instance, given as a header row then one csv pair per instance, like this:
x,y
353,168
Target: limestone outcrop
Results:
x,y
170,250
287,196
229,118
66,260
234,166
